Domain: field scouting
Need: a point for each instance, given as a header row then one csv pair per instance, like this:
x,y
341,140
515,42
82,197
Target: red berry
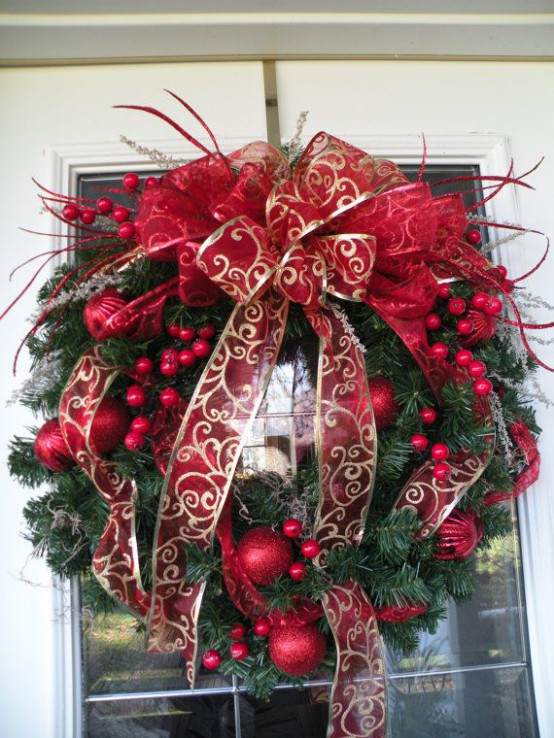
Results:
x,y
104,205
120,214
201,348
134,441
187,334
433,321
136,395
71,212
88,216
126,230
479,300
238,631
502,271
482,386
476,369
141,424
310,548
144,366
493,307
297,571
169,397
262,627
439,451
211,659
441,471
456,306
187,358
428,415
169,365
173,329
439,350
207,332
151,182
131,181
444,291
473,236
239,650
419,442
464,357
292,528
464,326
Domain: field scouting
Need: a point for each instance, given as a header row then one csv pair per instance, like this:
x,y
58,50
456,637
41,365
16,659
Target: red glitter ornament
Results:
x,y
239,651
458,535
297,571
310,548
419,442
385,407
99,308
483,328
397,614
265,554
211,659
297,650
238,631
262,627
51,449
109,426
292,528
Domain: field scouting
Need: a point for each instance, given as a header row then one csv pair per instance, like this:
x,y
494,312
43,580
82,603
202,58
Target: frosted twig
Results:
x,y
158,158
338,313
39,380
295,144
502,430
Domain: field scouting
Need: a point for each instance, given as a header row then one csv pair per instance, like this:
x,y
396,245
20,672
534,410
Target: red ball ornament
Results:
x,y
439,350
440,451
169,365
169,397
473,236
464,357
87,216
201,348
292,528
120,214
51,449
187,358
482,387
141,424
136,395
494,306
428,415
476,369
457,306
458,535
433,321
238,651
187,334
211,659
238,631
126,230
464,326
109,425
297,649
134,441
441,471
385,407
144,366
71,212
104,205
297,571
131,181
310,548
479,300
207,332
262,627
419,442
151,182
99,308
265,554
444,291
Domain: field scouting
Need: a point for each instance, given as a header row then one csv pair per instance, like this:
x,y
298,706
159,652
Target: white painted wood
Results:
x,y
56,123
464,109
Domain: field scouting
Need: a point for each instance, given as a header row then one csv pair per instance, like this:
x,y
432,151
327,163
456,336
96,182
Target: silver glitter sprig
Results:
x,y
158,158
501,428
294,146
39,380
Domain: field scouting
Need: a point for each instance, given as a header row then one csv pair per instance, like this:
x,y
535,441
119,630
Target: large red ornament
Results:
x,y
385,407
51,449
458,535
265,554
297,650
99,308
109,426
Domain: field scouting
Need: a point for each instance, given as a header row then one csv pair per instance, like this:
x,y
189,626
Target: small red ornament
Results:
x,y
458,535
187,358
385,407
433,321
131,181
201,348
99,308
136,395
428,415
482,386
169,365
134,441
476,369
238,650
126,230
262,627
441,471
265,554
151,182
207,332
444,291
310,548
297,649
51,449
479,300
464,357
440,451
141,424
109,425
187,334
464,326
173,330
419,442
104,205
494,306
297,571
457,306
237,632
439,350
71,212
211,659
292,528
169,397
397,614
120,214
473,236
144,366
87,216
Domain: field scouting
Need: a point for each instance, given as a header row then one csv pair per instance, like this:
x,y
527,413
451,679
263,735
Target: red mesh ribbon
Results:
x,y
527,446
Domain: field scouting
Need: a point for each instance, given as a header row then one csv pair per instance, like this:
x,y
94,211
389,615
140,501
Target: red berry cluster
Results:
x,y
198,347
310,548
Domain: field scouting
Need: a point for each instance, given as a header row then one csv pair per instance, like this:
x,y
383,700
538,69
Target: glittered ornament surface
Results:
x,y
51,449
109,425
265,554
385,408
458,535
297,650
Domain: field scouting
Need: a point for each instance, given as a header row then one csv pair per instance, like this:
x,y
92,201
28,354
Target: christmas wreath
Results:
x,y
153,350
